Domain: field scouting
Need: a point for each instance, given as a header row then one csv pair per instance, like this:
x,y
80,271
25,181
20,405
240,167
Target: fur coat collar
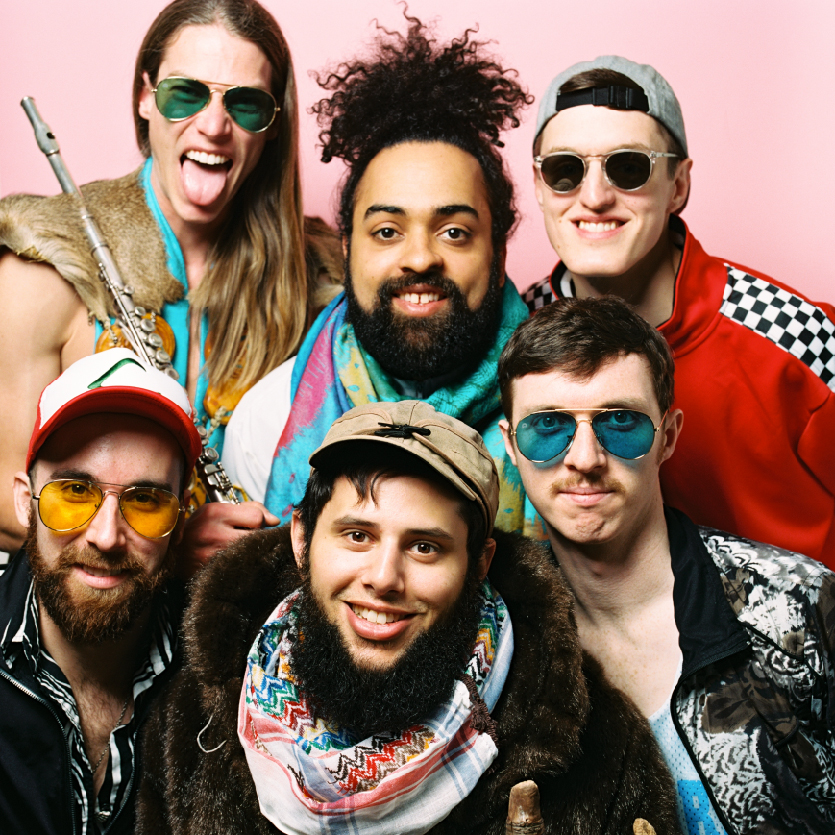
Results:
x,y
590,782
49,229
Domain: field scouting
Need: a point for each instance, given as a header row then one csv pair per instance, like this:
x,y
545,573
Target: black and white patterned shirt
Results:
x,y
93,814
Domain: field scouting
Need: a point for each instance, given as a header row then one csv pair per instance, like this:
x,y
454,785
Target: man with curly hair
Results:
x,y
424,212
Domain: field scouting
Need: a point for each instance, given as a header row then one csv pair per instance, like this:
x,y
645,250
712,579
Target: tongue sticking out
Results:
x,y
203,184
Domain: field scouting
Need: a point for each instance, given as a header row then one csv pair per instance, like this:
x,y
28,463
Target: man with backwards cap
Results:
x,y
755,360
389,664
88,613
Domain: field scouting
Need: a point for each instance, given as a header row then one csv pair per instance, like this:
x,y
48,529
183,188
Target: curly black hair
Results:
x,y
412,89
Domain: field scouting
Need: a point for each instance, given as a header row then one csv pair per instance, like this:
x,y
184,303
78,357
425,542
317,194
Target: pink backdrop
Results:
x,y
753,77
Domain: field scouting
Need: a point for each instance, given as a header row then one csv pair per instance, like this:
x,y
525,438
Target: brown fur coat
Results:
x,y
591,753
49,229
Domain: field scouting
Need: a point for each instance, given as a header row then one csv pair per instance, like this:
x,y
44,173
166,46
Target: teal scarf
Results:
x,y
333,373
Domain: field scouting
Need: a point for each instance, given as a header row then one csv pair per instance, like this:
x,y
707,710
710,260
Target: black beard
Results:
x,y
426,347
368,701
93,616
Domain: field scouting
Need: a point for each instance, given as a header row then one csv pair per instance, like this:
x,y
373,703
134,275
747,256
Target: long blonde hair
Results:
x,y
257,284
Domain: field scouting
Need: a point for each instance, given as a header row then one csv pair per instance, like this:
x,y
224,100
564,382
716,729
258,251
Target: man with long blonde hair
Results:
x,y
209,232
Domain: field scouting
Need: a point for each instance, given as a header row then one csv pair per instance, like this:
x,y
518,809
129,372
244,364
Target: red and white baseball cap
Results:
x,y
116,381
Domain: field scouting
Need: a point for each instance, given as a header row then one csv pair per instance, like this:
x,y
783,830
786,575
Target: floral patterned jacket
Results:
x,y
755,704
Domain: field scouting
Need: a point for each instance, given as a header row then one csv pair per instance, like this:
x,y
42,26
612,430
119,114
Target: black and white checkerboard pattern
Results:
x,y
788,321
538,295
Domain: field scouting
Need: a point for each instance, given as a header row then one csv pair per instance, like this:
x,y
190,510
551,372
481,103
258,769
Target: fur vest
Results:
x,y
559,722
50,230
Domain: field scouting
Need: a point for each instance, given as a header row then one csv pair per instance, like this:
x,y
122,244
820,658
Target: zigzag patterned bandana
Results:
x,y
312,777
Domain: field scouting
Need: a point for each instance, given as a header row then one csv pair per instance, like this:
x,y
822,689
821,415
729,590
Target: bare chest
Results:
x,y
641,660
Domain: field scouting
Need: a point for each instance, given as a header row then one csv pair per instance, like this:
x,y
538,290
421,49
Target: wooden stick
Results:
x,y
523,815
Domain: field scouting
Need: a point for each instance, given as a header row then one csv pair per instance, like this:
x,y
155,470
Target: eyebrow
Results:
x,y
438,211
359,522
627,403
631,146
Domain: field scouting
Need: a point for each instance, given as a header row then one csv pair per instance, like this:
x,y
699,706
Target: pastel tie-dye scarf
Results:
x,y
333,373
314,777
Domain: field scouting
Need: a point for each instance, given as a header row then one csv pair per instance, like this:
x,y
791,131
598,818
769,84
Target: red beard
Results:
x,y
86,615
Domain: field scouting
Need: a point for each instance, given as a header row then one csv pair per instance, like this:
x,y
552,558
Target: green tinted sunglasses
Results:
x,y
251,108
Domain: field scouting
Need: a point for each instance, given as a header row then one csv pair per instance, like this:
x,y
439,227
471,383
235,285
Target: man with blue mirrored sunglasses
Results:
x,y
755,359
704,630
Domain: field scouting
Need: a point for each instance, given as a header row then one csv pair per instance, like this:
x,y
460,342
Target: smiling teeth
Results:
x,y
206,159
608,226
103,572
375,617
421,298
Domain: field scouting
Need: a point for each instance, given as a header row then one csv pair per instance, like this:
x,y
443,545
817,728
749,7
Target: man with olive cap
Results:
x,y
755,360
390,663
89,614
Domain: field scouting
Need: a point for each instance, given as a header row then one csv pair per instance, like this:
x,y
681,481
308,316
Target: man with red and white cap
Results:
x,y
88,613
755,360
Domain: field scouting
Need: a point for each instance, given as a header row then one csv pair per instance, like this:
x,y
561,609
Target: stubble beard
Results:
x,y
421,348
86,615
368,700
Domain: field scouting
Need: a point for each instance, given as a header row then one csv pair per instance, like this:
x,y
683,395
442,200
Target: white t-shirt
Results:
x,y
255,429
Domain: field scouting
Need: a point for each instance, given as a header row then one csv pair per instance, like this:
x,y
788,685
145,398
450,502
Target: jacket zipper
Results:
x,y
687,747
52,710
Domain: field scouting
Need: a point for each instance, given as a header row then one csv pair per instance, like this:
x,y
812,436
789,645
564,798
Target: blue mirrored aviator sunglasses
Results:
x,y
625,433
251,108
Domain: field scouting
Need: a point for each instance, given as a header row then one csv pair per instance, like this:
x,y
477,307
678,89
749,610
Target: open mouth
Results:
x,y
204,176
420,294
211,160
102,572
373,616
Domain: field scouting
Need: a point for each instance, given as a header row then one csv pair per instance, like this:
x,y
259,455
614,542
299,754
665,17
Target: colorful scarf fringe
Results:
x,y
312,777
333,374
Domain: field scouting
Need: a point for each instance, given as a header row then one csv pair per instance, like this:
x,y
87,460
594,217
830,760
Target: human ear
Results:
x,y
508,440
670,433
146,98
22,498
297,538
486,558
681,183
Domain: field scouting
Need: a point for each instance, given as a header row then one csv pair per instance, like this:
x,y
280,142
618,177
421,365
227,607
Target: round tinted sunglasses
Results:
x,y
625,433
626,170
251,108
67,504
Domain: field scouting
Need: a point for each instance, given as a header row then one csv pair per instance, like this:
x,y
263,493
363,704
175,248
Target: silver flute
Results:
x,y
138,330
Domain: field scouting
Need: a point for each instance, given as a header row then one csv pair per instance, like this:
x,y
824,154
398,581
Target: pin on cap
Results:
x,y
116,381
656,96
452,448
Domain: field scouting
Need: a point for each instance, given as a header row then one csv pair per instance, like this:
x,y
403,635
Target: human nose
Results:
x,y
420,253
596,192
214,119
585,453
384,573
106,530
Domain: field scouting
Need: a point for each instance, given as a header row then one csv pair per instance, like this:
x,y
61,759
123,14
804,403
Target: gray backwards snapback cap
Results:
x,y
456,451
659,100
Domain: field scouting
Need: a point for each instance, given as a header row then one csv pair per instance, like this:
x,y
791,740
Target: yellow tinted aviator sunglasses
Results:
x,y
67,504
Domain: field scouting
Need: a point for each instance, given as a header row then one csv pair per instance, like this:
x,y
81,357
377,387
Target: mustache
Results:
x,y
597,482
392,286
90,557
